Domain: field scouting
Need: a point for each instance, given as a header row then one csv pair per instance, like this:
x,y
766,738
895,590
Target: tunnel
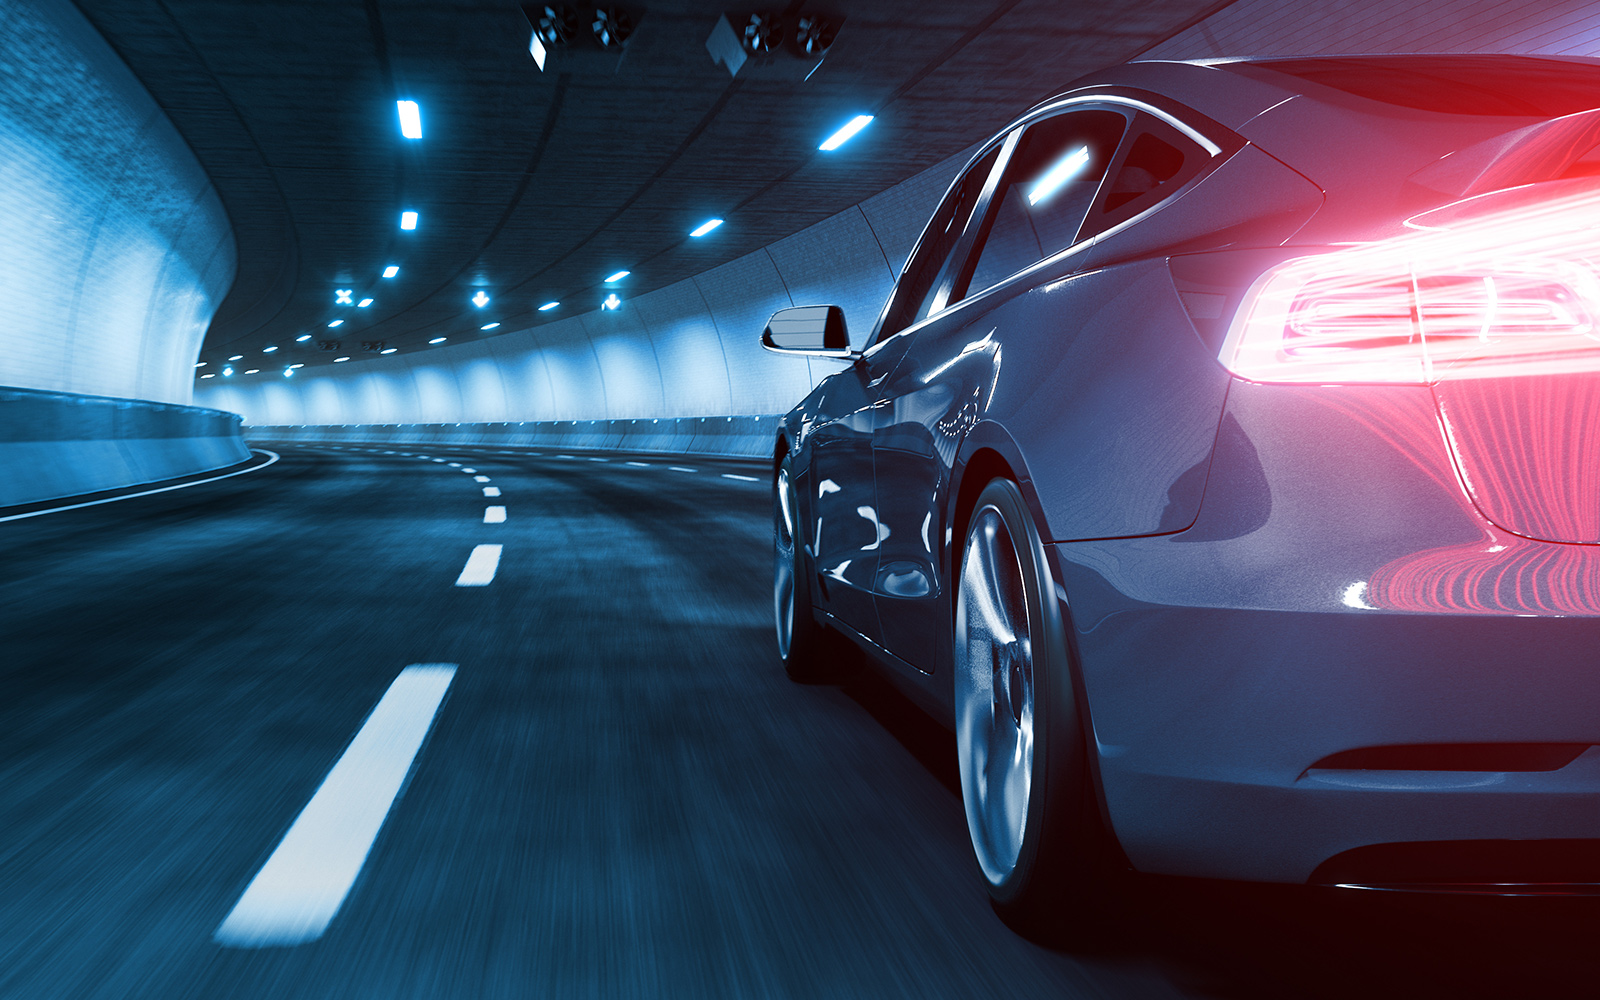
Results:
x,y
398,434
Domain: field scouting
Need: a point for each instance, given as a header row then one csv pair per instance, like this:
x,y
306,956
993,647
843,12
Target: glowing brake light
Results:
x,y
1508,295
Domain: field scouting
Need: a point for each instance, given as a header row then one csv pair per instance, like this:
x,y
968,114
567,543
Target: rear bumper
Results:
x,y
1337,592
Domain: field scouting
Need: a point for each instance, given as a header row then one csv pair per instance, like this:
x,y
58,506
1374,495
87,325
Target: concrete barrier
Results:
x,y
736,436
56,444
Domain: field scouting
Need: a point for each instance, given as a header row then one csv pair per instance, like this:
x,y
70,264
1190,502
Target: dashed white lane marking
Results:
x,y
563,456
455,465
594,459
494,515
145,493
301,887
439,460
480,479
491,491
681,468
469,471
422,456
481,565
742,479
638,465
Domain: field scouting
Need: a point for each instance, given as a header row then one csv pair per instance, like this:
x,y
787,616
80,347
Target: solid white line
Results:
x,y
480,479
494,515
491,491
742,479
481,565
305,881
145,493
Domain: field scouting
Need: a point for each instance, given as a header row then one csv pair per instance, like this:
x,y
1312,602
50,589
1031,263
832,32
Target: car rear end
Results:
x,y
1374,659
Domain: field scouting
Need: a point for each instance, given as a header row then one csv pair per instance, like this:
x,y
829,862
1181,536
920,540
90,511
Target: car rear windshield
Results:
x,y
1456,85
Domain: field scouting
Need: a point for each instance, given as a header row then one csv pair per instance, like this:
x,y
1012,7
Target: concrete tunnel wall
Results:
x,y
681,354
115,254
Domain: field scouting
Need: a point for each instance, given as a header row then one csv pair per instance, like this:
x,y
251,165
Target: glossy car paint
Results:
x,y
1257,577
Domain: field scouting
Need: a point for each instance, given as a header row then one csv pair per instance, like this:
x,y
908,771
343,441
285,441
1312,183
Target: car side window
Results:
x,y
919,282
1041,202
1155,162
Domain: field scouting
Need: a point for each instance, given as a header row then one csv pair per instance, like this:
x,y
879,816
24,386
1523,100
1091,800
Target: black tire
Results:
x,y
1020,741
802,642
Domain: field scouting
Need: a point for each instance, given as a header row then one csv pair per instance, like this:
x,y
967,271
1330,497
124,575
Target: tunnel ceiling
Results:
x,y
533,186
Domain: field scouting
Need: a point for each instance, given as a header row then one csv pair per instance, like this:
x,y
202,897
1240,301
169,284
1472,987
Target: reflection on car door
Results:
x,y
943,383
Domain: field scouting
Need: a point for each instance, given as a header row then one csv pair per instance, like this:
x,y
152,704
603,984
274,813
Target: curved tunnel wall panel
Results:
x,y
117,249
688,351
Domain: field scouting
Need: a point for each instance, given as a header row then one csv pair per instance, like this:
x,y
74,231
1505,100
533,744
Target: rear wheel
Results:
x,y
1024,774
800,639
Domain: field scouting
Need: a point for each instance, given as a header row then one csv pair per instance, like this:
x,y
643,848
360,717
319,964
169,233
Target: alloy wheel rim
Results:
x,y
783,582
994,695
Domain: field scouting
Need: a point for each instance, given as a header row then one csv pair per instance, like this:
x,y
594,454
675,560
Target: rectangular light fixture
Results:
x,y
408,220
337,322
201,364
705,227
268,350
618,276
845,134
548,306
410,119
488,326
1060,172
302,338
363,303
388,350
391,270
438,340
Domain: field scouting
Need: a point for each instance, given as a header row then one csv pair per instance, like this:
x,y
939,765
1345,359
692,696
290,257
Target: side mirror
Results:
x,y
817,331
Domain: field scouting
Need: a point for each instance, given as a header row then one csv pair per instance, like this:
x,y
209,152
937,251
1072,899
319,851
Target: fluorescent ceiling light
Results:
x,y
488,326
337,322
438,340
410,119
253,371
618,276
388,350
337,360
706,227
363,303
209,375
237,357
268,350
302,338
1064,170
408,220
548,306
201,364
391,270
297,366
845,134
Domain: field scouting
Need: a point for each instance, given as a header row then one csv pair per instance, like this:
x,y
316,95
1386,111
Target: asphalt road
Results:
x,y
621,795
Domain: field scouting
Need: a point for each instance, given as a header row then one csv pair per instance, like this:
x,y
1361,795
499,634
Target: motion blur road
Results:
x,y
621,796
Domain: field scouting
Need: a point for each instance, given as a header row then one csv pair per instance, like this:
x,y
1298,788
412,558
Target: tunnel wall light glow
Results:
x,y
845,134
617,276
391,270
408,220
705,227
410,119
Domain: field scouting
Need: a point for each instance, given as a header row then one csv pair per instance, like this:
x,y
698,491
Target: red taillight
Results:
x,y
1508,295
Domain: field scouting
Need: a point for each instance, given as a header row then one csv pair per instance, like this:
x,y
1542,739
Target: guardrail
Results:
x,y
59,444
740,436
